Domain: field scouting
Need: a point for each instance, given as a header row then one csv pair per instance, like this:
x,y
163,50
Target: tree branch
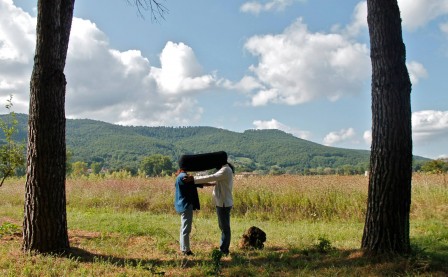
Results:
x,y
157,9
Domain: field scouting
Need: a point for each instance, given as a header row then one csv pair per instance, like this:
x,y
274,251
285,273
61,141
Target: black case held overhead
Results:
x,y
201,162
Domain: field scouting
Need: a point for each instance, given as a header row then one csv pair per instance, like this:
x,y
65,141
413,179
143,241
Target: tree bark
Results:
x,y
45,217
386,228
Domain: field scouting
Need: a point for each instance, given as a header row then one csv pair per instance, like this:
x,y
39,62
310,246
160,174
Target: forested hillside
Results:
x,y
116,147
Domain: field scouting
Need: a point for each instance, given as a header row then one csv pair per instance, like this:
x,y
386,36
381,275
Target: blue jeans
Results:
x,y
186,220
224,226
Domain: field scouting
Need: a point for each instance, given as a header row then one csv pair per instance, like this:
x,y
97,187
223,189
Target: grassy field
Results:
x,y
128,227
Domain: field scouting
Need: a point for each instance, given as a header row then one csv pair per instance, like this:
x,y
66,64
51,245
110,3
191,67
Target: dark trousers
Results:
x,y
224,226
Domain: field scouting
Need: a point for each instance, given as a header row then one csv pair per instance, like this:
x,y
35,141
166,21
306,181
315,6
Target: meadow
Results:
x,y
128,227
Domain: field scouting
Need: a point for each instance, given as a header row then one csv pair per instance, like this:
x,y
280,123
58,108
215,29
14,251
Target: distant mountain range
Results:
x,y
117,147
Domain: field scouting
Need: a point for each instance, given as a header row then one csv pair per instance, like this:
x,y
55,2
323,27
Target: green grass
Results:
x,y
313,224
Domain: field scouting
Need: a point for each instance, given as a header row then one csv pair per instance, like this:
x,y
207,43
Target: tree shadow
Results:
x,y
289,260
85,256
336,262
285,261
151,265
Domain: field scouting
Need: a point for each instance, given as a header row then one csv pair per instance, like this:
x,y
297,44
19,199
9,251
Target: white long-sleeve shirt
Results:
x,y
222,191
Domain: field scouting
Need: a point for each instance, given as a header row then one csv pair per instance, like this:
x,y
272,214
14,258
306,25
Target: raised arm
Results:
x,y
217,176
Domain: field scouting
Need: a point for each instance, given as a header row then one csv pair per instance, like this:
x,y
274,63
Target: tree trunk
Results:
x,y
386,227
45,217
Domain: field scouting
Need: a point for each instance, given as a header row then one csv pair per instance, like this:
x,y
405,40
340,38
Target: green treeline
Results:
x,y
116,147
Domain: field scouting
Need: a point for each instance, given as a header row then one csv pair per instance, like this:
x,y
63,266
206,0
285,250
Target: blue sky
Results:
x,y
300,66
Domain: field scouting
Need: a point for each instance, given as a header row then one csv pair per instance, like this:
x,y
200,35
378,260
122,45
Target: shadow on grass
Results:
x,y
353,262
433,249
154,266
85,256
283,262
319,259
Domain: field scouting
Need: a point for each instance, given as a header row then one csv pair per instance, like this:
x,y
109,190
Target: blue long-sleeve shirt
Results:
x,y
186,194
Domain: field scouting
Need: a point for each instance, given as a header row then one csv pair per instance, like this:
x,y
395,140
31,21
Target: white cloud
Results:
x,y
426,125
102,82
416,72
429,131
263,97
17,40
367,136
444,27
359,20
126,88
429,125
256,7
417,13
339,136
180,71
14,21
246,84
414,13
252,7
274,124
309,66
313,66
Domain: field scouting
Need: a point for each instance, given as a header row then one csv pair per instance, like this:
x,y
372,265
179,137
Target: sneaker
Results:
x,y
187,253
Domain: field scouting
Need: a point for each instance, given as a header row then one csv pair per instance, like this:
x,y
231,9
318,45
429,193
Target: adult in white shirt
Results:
x,y
223,196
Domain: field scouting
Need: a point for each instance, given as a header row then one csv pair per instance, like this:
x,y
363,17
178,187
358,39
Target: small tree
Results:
x,y
68,163
95,167
156,165
276,170
11,153
79,168
435,166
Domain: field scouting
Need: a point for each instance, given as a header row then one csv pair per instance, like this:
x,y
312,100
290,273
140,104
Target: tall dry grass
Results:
x,y
293,197
285,197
